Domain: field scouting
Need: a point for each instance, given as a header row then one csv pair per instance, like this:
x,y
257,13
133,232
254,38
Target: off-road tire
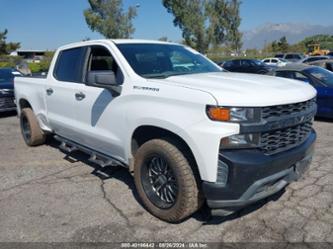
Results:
x,y
188,199
29,121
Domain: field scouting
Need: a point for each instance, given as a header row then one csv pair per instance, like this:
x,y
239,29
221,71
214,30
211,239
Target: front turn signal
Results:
x,y
218,113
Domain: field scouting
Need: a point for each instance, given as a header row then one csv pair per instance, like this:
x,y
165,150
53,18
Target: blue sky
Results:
x,y
47,24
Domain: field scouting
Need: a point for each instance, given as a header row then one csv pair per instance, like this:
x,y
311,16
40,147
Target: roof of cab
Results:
x,y
116,41
139,41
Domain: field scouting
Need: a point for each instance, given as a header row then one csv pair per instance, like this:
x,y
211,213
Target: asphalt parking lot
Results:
x,y
47,196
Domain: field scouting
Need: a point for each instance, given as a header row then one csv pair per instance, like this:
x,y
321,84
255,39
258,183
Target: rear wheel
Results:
x,y
31,132
262,72
165,181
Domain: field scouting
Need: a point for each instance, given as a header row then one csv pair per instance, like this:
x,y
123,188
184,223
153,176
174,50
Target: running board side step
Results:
x,y
95,157
66,147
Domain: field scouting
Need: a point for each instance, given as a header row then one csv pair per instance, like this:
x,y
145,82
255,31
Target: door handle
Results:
x,y
49,91
80,96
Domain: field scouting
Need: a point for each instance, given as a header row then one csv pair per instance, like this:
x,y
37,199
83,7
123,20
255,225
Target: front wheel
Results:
x,y
165,181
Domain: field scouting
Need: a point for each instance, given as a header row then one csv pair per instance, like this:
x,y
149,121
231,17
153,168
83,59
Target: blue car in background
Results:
x,y
7,89
318,77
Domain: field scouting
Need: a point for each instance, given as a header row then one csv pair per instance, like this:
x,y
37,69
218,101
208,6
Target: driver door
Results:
x,y
96,112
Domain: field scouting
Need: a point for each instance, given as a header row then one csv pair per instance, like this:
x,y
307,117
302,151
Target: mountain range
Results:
x,y
294,32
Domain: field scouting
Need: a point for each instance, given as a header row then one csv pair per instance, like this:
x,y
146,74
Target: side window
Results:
x,y
284,74
69,65
100,60
236,63
302,77
274,61
289,56
267,61
228,64
245,63
329,66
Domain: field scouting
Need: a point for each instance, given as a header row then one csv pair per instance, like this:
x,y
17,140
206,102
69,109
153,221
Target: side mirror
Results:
x,y
100,78
104,79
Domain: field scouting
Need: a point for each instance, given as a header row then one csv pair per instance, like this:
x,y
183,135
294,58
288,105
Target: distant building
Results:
x,y
30,55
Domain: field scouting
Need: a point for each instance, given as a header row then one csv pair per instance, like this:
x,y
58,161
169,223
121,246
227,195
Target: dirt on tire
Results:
x,y
37,136
189,198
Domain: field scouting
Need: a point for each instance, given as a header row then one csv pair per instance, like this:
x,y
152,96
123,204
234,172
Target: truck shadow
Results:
x,y
327,120
206,218
103,173
120,173
7,114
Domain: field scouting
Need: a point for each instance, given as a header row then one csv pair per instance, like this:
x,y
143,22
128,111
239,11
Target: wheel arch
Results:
x,y
145,133
24,103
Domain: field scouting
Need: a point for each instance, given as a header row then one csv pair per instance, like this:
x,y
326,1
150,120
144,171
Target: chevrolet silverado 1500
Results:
x,y
188,131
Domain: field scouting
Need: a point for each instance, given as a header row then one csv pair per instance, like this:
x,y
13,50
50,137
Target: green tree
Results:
x,y
278,46
108,18
234,37
7,48
298,47
206,23
283,44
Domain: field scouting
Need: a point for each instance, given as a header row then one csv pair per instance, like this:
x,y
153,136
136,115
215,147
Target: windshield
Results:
x,y
6,76
165,60
321,74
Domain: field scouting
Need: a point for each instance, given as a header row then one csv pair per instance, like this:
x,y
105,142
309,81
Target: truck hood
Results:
x,y
239,89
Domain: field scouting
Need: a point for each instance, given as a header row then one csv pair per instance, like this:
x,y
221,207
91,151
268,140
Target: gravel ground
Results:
x,y
47,196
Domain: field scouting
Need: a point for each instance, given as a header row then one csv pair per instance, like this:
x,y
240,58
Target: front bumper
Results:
x,y
7,104
253,175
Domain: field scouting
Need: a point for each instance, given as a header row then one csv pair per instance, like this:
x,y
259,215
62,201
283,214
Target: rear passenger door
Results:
x,y
60,91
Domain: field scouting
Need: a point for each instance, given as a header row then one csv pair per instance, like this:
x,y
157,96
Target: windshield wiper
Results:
x,y
164,75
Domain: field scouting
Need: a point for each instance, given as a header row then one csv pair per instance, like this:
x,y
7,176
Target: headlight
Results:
x,y
233,114
237,115
242,114
240,141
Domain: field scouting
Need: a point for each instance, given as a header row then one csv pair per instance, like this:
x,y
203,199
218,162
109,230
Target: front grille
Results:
x,y
275,141
7,102
283,139
283,110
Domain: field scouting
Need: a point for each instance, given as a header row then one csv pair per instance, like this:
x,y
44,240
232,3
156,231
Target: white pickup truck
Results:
x,y
188,131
